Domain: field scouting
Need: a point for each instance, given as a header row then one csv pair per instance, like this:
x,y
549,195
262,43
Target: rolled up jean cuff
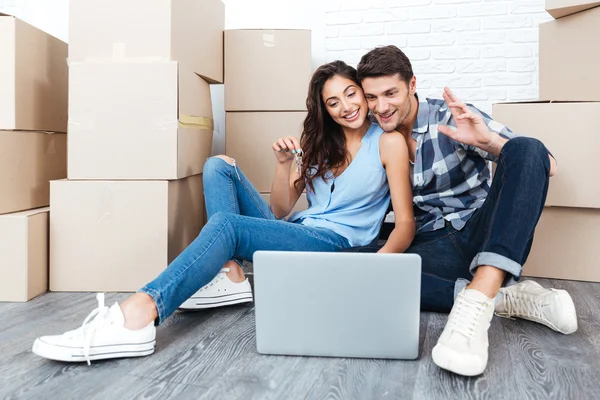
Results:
x,y
497,261
160,306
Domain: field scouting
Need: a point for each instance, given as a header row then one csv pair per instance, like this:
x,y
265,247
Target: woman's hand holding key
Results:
x,y
286,148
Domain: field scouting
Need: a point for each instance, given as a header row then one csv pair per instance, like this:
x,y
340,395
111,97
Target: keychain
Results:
x,y
298,159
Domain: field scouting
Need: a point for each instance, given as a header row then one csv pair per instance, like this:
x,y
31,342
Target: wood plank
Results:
x,y
258,376
31,376
42,309
212,354
209,354
184,330
51,376
371,378
548,364
135,387
265,377
495,383
70,312
586,296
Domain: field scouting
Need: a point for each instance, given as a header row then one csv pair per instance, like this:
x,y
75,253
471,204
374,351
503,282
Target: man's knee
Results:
x,y
527,147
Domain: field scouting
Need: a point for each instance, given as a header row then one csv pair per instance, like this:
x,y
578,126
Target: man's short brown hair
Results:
x,y
385,61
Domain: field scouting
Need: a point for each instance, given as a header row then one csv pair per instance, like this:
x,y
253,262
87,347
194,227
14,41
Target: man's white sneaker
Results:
x,y
219,292
101,336
463,346
529,300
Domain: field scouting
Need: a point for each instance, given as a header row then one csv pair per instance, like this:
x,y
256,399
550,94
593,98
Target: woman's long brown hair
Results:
x,y
323,141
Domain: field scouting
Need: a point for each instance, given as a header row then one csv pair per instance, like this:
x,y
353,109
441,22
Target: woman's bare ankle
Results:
x,y
139,311
236,273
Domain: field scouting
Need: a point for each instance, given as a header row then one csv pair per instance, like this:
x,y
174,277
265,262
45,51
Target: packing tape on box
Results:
x,y
192,121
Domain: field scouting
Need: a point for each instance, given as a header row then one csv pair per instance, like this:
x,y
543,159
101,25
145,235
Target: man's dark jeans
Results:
x,y
499,234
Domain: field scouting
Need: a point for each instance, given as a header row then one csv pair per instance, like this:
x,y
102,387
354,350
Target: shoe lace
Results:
x,y
522,305
217,278
89,326
465,315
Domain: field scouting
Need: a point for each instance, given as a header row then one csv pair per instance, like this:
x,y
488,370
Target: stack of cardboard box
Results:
x,y
33,150
567,120
140,130
266,82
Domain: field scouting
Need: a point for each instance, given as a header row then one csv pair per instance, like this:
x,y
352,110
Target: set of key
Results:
x,y
298,160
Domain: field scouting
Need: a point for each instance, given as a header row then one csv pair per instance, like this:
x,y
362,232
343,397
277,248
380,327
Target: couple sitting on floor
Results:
x,y
429,157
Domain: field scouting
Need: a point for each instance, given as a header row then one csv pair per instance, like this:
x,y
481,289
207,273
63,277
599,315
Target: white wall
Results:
x,y
51,16
486,50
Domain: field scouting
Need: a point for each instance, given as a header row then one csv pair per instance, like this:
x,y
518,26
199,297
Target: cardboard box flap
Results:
x,y
27,213
562,8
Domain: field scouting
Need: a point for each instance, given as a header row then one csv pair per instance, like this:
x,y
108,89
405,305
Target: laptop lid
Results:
x,y
337,304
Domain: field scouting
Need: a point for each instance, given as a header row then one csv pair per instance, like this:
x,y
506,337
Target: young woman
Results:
x,y
350,170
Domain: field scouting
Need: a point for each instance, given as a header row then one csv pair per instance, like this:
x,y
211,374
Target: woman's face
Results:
x,y
345,102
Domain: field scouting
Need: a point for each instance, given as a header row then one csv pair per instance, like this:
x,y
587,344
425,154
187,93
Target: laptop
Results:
x,y
356,305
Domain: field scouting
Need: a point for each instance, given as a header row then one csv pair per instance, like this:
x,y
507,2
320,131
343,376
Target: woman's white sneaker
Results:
x,y
220,292
529,300
101,336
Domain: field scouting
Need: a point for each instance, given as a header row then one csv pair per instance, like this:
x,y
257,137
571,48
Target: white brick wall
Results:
x,y
485,50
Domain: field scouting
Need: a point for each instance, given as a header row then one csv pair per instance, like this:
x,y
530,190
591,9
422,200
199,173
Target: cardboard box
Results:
x,y
33,78
267,70
188,31
248,139
565,245
570,132
28,161
301,204
23,255
568,65
119,235
143,121
562,8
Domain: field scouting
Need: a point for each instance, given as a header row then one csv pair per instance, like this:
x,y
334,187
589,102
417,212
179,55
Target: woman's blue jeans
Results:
x,y
240,222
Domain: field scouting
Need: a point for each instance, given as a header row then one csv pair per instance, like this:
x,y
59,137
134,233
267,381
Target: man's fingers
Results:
x,y
446,130
451,94
459,105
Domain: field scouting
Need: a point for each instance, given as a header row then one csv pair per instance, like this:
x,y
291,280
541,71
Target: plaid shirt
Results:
x,y
450,180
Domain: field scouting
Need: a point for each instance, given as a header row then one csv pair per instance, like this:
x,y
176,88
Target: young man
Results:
x,y
467,228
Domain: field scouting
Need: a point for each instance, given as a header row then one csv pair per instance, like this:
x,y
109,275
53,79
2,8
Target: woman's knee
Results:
x,y
217,164
225,158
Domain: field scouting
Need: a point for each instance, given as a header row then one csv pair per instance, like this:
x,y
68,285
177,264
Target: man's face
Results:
x,y
389,99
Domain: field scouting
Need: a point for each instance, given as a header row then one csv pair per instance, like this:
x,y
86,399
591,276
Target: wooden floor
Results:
x,y
212,355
